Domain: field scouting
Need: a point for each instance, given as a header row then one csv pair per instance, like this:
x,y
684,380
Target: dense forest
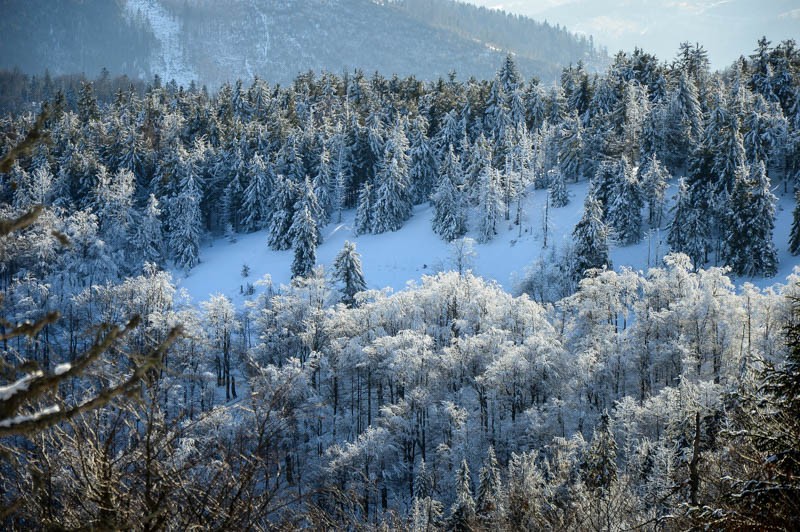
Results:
x,y
594,400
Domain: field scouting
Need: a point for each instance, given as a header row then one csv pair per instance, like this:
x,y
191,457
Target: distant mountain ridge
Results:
x,y
213,41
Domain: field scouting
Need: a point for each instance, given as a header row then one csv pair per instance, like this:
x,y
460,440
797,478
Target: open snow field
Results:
x,y
394,259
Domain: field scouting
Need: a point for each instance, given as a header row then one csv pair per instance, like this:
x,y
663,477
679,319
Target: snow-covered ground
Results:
x,y
394,259
169,61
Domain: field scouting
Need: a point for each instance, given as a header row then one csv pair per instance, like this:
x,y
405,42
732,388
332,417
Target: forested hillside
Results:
x,y
597,398
212,42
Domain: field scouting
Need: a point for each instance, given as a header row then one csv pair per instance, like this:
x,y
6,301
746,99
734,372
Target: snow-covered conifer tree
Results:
x,y
653,178
256,203
283,209
490,204
392,204
488,503
422,164
463,511
304,231
559,195
449,219
591,239
148,236
363,221
348,272
794,237
185,226
624,213
749,249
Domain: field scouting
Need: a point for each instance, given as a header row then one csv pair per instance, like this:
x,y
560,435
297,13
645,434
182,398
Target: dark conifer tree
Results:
x,y
348,272
304,230
449,219
591,239
749,249
794,236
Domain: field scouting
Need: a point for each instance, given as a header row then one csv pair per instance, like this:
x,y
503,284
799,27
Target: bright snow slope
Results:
x,y
394,259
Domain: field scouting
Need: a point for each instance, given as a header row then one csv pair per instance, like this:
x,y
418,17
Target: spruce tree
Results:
x,y
749,249
794,236
422,164
490,205
625,208
689,228
449,219
591,239
347,271
559,195
283,210
488,503
653,178
599,468
185,228
570,147
255,202
304,230
324,187
462,513
392,205
363,221
148,236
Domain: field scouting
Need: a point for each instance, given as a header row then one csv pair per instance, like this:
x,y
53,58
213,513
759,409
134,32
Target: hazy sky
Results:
x,y
726,28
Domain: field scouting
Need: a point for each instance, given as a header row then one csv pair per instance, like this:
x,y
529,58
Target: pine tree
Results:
x,y
463,511
570,147
729,156
283,210
422,165
255,203
559,195
794,236
591,239
148,237
304,230
185,228
688,230
363,221
490,206
449,219
653,178
749,249
488,503
347,271
599,468
392,205
625,208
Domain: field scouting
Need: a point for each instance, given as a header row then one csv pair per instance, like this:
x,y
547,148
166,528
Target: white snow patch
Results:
x,y
62,368
169,61
393,259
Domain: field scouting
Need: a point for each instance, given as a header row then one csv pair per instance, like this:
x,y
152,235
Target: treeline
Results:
x,y
21,93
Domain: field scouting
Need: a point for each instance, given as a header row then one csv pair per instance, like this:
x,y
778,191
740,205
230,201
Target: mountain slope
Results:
x,y
220,40
659,26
